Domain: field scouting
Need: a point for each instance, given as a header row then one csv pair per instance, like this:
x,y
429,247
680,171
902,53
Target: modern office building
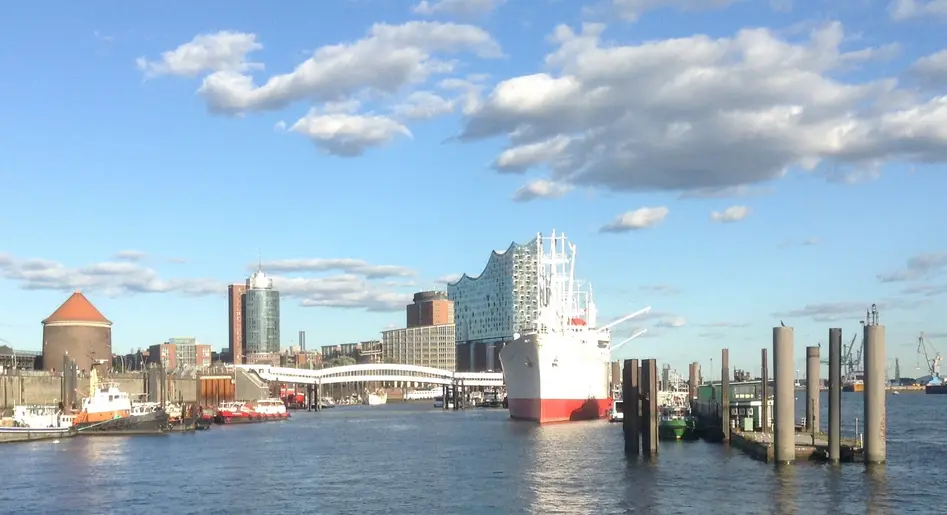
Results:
x,y
235,321
493,306
261,331
429,308
428,346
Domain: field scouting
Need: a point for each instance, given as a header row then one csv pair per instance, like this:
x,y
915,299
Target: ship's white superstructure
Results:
x,y
559,370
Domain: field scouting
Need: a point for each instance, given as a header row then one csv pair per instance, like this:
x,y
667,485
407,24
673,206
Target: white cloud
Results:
x,y
347,265
388,59
931,70
662,289
130,255
725,192
908,9
829,311
706,113
457,7
448,279
633,9
642,218
223,51
731,214
422,105
672,322
921,266
348,135
353,289
540,188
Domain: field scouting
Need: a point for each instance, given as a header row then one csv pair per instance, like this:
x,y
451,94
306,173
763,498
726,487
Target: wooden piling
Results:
x,y
630,401
649,407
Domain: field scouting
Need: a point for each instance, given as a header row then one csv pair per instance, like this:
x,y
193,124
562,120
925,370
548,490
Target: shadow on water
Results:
x,y
641,481
877,499
785,490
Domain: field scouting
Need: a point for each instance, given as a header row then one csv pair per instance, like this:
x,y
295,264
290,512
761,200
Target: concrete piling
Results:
x,y
875,416
813,424
649,407
784,404
725,394
835,394
764,393
630,400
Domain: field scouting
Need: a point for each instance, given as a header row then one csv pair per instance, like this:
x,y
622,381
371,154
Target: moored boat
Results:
x,y
676,423
235,413
376,398
109,410
617,412
270,409
559,370
38,422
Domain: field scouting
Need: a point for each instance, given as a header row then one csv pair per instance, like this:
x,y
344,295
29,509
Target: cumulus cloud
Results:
x,y
540,188
921,266
354,288
222,51
422,105
388,59
457,7
672,322
642,218
702,113
901,10
730,215
661,289
347,135
632,9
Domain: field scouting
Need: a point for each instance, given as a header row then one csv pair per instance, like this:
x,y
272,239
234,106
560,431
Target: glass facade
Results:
x,y
261,321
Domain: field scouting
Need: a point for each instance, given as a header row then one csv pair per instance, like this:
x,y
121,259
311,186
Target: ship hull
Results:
x,y
933,389
552,378
154,422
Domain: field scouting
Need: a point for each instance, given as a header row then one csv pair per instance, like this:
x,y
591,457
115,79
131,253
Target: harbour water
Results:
x,y
413,459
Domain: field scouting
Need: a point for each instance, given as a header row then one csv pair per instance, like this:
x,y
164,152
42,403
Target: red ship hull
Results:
x,y
547,411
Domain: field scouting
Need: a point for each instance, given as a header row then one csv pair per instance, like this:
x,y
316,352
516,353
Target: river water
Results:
x,y
413,459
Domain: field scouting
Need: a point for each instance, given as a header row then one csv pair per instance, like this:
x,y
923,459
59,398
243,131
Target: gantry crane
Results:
x,y
931,359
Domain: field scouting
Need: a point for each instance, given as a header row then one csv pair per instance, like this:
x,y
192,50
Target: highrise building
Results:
x,y
429,308
235,321
495,305
260,316
302,340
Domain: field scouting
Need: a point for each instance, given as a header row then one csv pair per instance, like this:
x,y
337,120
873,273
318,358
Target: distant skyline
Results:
x,y
732,164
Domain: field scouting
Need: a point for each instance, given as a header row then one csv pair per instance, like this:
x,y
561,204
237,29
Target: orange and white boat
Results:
x,y
108,409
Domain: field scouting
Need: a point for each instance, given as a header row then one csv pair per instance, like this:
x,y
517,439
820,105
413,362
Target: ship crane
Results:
x,y
932,363
613,348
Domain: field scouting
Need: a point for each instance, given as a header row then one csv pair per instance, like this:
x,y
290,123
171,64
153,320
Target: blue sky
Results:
x,y
371,148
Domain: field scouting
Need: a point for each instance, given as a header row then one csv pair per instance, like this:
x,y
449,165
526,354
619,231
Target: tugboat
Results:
x,y
108,410
676,421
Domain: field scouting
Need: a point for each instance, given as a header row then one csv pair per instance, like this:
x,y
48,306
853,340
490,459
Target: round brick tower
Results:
x,y
80,330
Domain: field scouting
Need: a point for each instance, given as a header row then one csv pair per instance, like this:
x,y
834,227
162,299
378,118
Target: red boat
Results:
x,y
236,413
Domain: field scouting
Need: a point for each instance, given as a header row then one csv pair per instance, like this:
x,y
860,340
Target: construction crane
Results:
x,y
851,358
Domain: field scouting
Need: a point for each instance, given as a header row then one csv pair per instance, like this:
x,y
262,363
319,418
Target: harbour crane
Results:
x,y
931,359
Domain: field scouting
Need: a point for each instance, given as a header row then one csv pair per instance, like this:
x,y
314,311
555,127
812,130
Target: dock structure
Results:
x,y
835,394
725,394
875,416
813,424
631,401
784,403
649,407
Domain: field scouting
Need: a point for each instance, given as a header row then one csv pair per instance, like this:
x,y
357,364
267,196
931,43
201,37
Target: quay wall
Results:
x,y
47,389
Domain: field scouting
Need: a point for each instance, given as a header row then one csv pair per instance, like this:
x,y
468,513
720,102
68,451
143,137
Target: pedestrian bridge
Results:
x,y
374,372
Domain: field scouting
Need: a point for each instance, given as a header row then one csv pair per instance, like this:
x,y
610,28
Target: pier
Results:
x,y
760,420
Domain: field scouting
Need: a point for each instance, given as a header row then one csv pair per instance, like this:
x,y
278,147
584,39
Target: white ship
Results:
x,y
559,371
375,398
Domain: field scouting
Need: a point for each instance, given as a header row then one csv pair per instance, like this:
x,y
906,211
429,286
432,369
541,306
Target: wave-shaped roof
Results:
x,y
493,255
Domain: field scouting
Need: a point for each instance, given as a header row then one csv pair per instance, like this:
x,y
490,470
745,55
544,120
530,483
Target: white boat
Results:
x,y
41,417
439,402
616,413
375,398
423,395
559,371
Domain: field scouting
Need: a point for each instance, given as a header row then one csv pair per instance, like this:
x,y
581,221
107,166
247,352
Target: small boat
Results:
x,y
108,410
236,413
439,402
270,409
676,423
376,398
36,422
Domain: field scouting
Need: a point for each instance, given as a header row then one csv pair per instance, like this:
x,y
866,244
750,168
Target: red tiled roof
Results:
x,y
77,308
